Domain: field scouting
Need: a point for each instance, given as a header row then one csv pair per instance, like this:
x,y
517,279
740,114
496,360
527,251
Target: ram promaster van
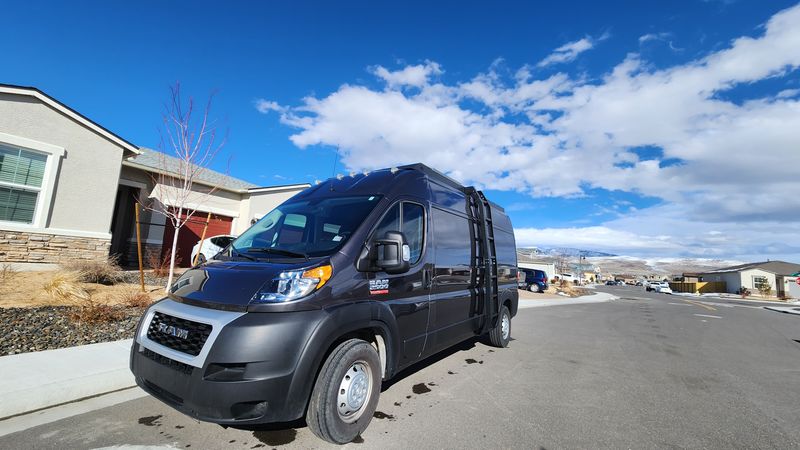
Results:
x,y
334,291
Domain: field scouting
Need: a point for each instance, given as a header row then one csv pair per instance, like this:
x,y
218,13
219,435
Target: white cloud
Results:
x,y
414,76
567,52
559,136
265,106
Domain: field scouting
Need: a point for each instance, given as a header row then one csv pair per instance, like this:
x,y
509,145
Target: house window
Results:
x,y
21,176
760,282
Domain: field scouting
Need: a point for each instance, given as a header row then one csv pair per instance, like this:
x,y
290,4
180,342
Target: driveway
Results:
x,y
645,371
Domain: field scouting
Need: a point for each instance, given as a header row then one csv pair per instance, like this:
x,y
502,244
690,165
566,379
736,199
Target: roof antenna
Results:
x,y
335,161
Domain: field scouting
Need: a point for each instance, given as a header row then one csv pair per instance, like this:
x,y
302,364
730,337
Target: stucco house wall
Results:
x,y
81,165
258,202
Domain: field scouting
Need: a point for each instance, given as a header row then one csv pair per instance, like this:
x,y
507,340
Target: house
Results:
x,y
753,275
68,188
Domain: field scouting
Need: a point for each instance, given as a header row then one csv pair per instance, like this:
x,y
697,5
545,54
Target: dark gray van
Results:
x,y
335,290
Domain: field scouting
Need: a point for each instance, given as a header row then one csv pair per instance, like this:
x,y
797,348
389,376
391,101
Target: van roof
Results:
x,y
405,179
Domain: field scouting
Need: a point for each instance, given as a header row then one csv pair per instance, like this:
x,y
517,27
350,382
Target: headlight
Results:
x,y
293,284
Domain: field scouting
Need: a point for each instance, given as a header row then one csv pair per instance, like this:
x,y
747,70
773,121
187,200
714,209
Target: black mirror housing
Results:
x,y
390,254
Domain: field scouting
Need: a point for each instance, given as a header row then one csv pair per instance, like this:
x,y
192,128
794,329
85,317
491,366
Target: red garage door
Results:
x,y
191,232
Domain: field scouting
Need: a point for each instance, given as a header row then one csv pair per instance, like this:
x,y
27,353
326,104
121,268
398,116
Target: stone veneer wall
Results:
x,y
50,248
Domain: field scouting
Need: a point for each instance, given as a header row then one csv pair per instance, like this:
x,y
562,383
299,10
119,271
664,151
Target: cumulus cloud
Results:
x,y
722,161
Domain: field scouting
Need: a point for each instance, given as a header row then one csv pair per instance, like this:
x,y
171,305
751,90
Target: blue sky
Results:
x,y
596,125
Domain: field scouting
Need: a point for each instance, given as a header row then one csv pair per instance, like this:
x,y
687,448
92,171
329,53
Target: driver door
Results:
x,y
406,294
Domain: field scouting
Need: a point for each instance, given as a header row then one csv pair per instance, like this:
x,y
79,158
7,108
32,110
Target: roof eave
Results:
x,y
75,115
134,165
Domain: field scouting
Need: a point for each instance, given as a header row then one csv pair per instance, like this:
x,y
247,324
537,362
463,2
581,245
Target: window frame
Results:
x,y
399,204
44,193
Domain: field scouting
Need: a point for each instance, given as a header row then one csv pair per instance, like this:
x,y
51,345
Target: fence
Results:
x,y
701,287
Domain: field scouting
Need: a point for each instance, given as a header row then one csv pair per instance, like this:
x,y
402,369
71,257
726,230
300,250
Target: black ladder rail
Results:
x,y
484,257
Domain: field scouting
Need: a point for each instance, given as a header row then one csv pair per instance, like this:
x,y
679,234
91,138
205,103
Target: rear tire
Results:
x,y
501,333
534,288
346,393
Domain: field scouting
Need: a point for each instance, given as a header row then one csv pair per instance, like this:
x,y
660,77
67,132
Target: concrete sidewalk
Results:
x,y
555,300
32,381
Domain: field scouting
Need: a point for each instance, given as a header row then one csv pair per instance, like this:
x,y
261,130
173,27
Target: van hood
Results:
x,y
228,285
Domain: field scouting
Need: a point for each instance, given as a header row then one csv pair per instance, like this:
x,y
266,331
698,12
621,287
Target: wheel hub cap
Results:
x,y
354,390
505,327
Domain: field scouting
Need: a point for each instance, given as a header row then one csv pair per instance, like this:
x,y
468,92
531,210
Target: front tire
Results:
x,y
534,287
346,393
500,335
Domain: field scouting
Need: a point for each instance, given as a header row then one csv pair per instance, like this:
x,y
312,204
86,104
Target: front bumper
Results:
x,y
247,374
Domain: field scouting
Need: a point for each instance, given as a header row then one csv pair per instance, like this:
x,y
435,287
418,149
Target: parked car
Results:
x,y
533,280
639,283
211,246
663,288
569,278
337,289
611,283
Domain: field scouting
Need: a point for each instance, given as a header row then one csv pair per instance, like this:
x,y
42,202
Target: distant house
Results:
x,y
68,187
753,275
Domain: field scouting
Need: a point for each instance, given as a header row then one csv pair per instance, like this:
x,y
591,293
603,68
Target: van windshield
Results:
x,y
305,228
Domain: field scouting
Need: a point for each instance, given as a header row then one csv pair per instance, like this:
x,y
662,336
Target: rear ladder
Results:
x,y
484,257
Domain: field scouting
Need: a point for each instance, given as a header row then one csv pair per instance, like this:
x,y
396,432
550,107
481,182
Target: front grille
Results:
x,y
168,362
182,335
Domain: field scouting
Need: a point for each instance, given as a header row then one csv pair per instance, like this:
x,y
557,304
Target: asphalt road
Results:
x,y
645,371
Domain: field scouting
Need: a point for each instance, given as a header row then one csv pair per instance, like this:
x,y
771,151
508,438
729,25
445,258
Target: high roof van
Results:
x,y
333,292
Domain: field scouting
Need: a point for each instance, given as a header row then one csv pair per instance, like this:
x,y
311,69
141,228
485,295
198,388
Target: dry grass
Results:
x,y
102,271
27,289
7,277
134,298
65,289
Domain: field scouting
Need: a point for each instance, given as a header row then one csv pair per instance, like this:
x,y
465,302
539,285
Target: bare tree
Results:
x,y
192,139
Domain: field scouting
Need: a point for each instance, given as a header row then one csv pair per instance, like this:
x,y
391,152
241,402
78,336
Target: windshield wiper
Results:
x,y
278,251
235,253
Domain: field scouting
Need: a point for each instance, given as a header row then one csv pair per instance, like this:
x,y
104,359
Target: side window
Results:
x,y
414,229
410,220
390,222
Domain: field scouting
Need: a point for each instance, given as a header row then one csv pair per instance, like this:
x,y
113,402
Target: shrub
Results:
x,y
93,312
134,298
765,289
160,264
64,288
102,271
744,292
7,275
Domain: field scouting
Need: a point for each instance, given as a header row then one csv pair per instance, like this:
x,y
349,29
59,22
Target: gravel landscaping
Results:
x,y
45,328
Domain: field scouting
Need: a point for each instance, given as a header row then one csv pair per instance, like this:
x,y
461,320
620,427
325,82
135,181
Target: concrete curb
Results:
x,y
600,297
785,309
37,380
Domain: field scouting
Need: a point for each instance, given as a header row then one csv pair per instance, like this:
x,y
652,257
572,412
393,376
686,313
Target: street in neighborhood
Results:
x,y
645,370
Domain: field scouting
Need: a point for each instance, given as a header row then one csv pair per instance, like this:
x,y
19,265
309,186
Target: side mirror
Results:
x,y
390,254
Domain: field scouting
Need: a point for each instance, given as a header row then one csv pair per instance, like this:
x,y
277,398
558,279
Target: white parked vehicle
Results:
x,y
661,287
211,246
568,277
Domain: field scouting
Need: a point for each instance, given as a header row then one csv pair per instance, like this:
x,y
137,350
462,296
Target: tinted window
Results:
x,y
453,250
414,228
315,226
410,220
